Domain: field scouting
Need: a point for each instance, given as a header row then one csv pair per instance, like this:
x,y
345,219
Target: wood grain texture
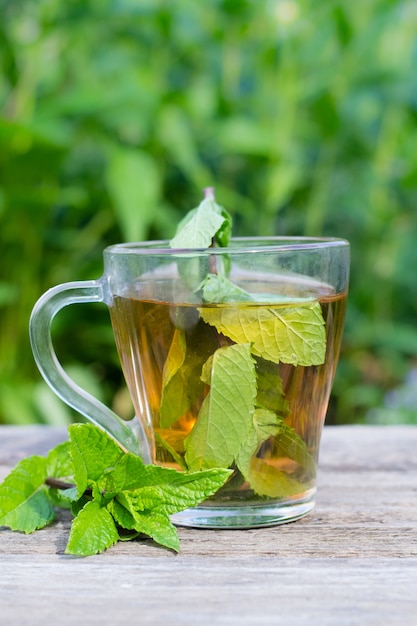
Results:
x,y
353,560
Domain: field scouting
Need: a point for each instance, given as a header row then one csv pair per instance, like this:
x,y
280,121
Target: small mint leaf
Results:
x,y
199,226
224,233
79,503
270,388
216,288
152,523
290,444
173,442
92,452
63,498
92,531
181,383
267,480
175,400
121,515
24,502
175,358
59,464
160,528
263,478
264,424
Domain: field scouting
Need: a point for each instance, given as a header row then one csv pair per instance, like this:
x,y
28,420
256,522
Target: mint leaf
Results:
x,y
225,415
121,515
120,490
65,498
264,425
156,525
290,444
224,233
59,464
181,383
172,366
200,226
92,452
24,502
59,471
216,288
262,477
92,531
270,390
294,335
160,528
267,480
174,400
173,442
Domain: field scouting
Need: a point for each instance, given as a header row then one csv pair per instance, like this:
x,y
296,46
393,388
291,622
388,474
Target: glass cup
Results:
x,y
229,355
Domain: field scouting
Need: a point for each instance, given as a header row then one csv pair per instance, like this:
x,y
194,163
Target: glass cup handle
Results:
x,y
128,434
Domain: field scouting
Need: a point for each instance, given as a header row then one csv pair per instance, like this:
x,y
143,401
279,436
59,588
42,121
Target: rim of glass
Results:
x,y
240,245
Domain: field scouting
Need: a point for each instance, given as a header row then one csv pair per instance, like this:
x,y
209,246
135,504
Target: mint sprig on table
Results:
x,y
112,493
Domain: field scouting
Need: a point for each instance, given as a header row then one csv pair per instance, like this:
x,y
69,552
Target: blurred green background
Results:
x,y
114,115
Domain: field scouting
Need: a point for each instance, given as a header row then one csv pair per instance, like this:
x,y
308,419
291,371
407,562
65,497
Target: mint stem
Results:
x,y
209,193
58,484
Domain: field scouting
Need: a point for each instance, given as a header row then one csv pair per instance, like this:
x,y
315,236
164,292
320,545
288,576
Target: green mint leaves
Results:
x,y
202,226
113,494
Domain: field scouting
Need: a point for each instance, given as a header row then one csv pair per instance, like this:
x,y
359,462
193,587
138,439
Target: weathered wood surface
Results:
x,y
352,561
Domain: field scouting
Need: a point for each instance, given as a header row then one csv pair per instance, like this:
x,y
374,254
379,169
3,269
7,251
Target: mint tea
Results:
x,y
229,347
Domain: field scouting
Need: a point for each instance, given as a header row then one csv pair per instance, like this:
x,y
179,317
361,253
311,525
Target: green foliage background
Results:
x,y
115,114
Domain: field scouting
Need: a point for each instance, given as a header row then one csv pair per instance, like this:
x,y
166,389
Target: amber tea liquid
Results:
x,y
285,463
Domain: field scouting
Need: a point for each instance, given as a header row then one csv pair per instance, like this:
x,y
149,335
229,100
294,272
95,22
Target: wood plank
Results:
x,y
221,592
17,442
353,560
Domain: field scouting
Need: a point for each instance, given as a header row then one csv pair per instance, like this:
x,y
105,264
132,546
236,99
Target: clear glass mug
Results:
x,y
229,355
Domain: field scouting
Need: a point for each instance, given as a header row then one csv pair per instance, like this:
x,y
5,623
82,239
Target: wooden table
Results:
x,y
351,561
